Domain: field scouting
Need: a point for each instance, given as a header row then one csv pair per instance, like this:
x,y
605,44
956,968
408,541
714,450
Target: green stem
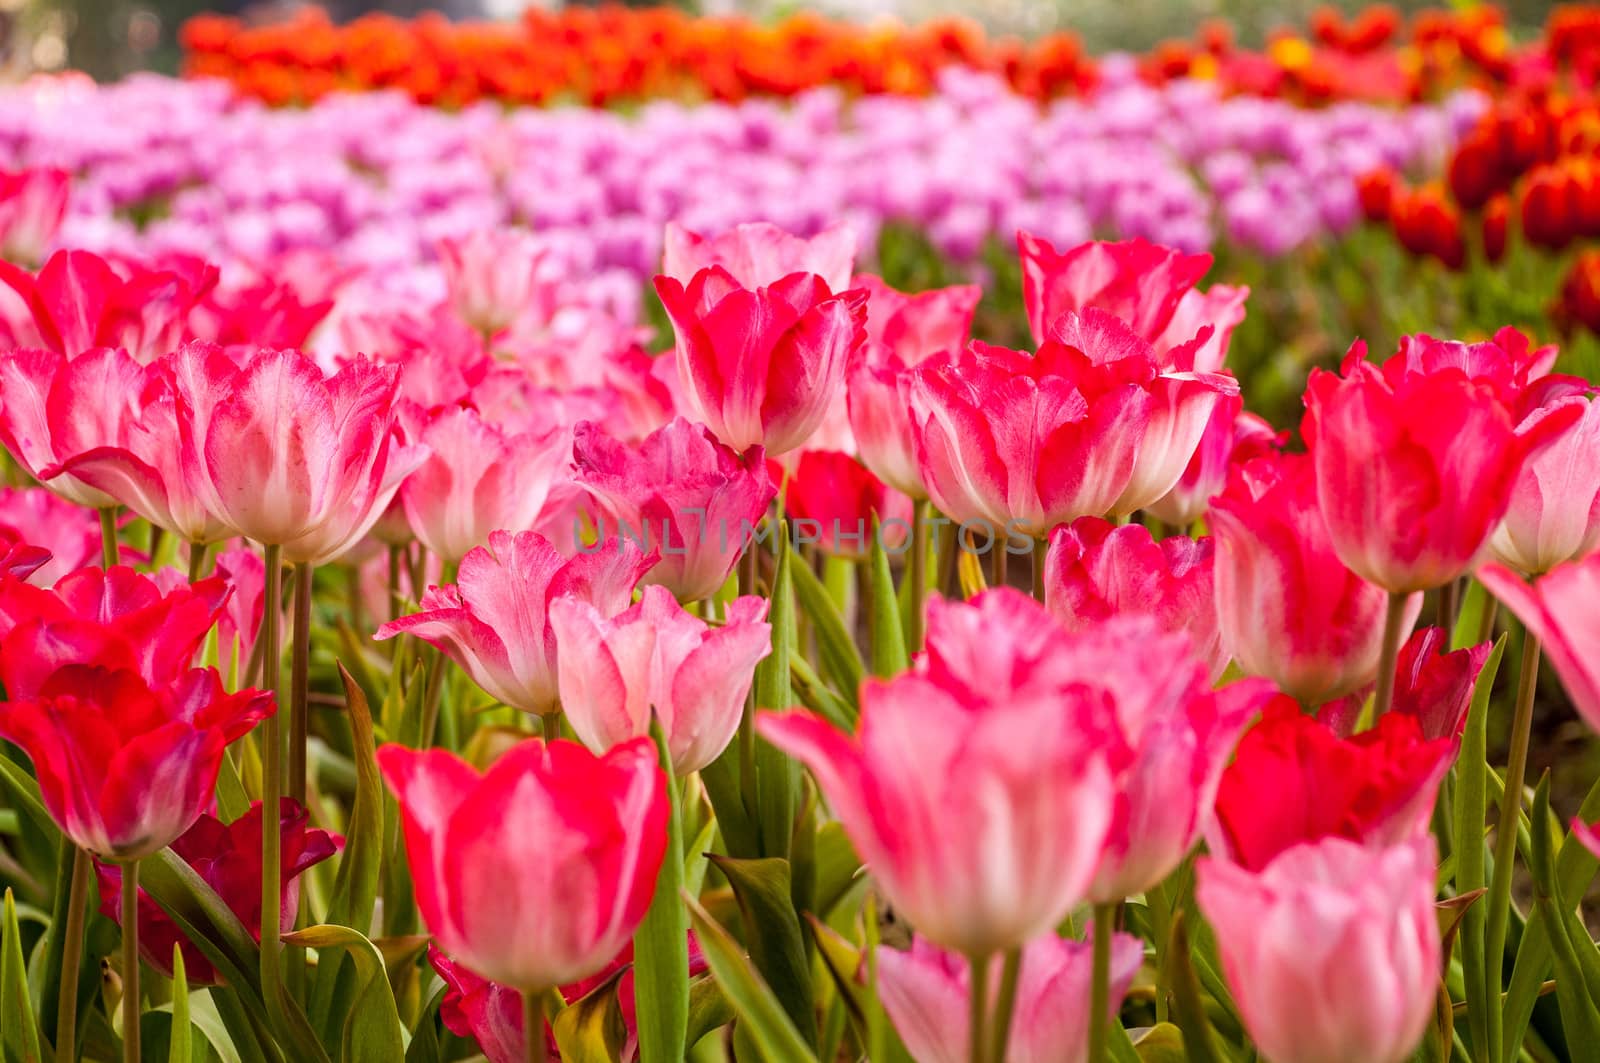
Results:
x,y
271,787
300,683
197,561
749,574
130,962
1041,549
1105,916
395,554
550,724
918,574
1505,838
109,552
999,563
1004,1004
1449,604
1393,619
71,959
977,1007
533,1025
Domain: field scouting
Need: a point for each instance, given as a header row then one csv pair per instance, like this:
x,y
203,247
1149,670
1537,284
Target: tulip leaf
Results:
x,y
591,1030
1579,1018
889,657
777,781
181,1049
24,793
424,1046
1188,1006
838,867
1159,1044
372,1031
45,972
19,1030
708,1009
772,930
841,661
1471,814
724,790
759,1012
660,945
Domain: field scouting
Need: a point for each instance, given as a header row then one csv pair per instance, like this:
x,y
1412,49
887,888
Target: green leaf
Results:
x,y
724,790
772,930
19,1030
1579,1018
841,661
708,1009
372,1030
759,1012
424,1046
1160,1044
591,1030
182,1047
1471,816
889,657
777,781
1469,618
661,944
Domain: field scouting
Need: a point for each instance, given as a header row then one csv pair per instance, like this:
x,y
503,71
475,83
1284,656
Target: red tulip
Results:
x,y
1374,787
1288,609
997,746
761,366
1562,610
681,492
32,206
1137,281
68,535
536,873
759,254
494,620
1431,684
227,857
835,501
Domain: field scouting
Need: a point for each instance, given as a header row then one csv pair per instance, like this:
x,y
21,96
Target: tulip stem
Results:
x,y
394,586
271,787
918,574
1505,837
1041,550
1004,1004
130,962
71,959
533,1025
550,724
197,561
1449,604
300,682
977,1007
1105,917
1393,619
110,554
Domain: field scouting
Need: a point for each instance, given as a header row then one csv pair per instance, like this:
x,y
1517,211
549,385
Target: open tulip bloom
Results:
x,y
416,643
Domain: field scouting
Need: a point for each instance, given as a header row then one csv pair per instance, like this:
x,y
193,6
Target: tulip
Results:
x,y
494,620
227,857
479,478
286,456
995,747
761,366
1431,684
614,673
1095,570
240,623
758,254
925,991
32,206
1588,835
537,872
18,559
1554,515
681,491
495,276
1332,951
69,534
835,501
1222,308
1562,610
1140,282
1288,609
1376,787
1230,439
1507,361
53,408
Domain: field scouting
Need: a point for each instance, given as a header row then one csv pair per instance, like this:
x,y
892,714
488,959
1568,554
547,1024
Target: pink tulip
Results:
x,y
1221,307
32,206
246,576
1562,610
758,254
69,534
1508,361
494,620
1431,684
1414,471
926,992
902,330
1554,514
1332,951
1139,282
1231,438
1588,835
286,456
835,501
495,276
681,492
996,747
761,366
479,478
655,658
1287,607
536,873
53,408
1094,570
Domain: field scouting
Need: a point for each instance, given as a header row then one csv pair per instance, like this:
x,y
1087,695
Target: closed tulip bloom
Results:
x,y
287,456
1554,515
655,658
1222,308
227,857
69,533
835,501
1332,951
926,992
1374,787
1137,281
479,478
761,366
989,750
1562,610
1414,475
494,620
682,493
1230,439
758,254
1287,607
494,276
535,873
1095,569
1432,684
126,766
53,408
32,206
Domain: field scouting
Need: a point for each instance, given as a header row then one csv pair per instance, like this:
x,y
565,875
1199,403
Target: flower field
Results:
x,y
803,542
